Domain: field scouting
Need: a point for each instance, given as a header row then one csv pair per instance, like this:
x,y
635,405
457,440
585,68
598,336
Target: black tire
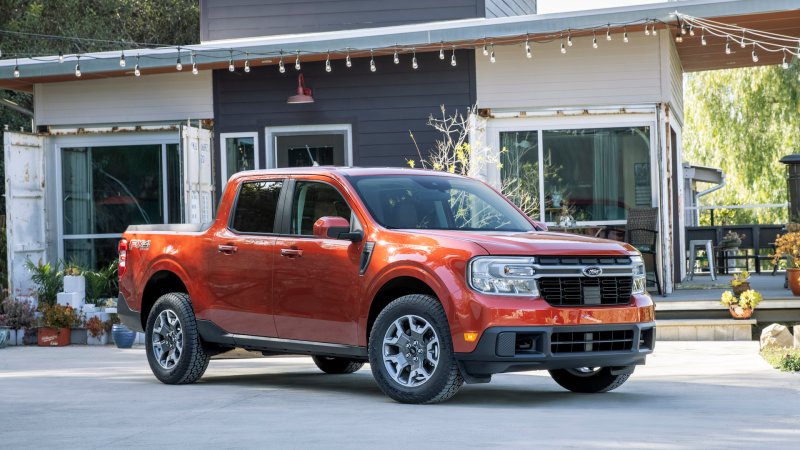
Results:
x,y
193,359
334,365
599,380
445,378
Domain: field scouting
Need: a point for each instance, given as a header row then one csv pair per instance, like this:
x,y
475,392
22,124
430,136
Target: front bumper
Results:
x,y
512,349
130,318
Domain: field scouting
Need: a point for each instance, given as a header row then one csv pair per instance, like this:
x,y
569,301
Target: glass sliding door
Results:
x,y
107,188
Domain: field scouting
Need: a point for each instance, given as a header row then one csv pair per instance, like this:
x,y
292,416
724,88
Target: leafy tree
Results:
x,y
744,121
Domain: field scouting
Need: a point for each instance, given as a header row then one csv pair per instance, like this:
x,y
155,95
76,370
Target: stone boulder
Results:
x,y
776,335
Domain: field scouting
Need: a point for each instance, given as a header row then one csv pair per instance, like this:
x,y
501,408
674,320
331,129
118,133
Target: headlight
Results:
x,y
639,275
503,276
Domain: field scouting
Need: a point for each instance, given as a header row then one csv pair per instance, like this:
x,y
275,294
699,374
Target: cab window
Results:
x,y
256,207
313,200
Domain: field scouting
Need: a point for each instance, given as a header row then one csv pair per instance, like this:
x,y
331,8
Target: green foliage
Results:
x,y
744,121
790,362
101,284
60,316
49,281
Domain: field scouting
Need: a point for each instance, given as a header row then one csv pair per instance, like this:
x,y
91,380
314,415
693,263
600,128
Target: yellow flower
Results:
x,y
728,299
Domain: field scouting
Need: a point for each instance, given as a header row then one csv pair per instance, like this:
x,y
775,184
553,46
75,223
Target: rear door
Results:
x,y
25,207
239,261
316,279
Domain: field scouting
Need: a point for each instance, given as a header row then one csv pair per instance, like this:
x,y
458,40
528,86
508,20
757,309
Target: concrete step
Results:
x,y
704,330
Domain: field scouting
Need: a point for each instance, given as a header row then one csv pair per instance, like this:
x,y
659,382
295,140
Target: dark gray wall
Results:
x,y
382,107
504,8
228,19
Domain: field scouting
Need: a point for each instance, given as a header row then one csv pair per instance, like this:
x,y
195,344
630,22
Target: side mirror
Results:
x,y
331,227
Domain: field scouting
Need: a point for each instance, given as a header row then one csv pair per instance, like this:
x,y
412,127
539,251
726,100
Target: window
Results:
x,y
438,203
309,145
256,207
586,174
313,200
107,188
239,153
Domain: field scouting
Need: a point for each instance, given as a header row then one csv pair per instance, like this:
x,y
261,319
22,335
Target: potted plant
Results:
x,y
18,316
741,307
97,331
731,240
740,283
56,323
788,245
123,337
49,281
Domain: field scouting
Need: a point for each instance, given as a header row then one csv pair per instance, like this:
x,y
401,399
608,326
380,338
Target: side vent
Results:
x,y
366,256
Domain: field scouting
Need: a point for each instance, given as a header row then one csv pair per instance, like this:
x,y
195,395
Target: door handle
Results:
x,y
227,249
291,252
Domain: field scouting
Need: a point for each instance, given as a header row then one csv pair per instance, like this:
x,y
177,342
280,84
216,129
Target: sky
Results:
x,y
554,6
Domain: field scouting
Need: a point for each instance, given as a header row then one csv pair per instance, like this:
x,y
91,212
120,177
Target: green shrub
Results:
x,y
49,281
790,362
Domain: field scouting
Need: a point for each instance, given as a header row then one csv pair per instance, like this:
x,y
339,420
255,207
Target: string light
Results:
x,y
678,38
691,30
231,67
247,63
78,67
281,66
646,30
178,65
528,53
396,58
485,49
60,57
563,48
492,59
683,29
703,38
743,44
16,66
348,62
755,55
194,65
569,39
785,63
625,35
372,67
122,62
655,31
297,61
414,64
136,70
453,57
608,33
441,52
728,47
594,40
328,63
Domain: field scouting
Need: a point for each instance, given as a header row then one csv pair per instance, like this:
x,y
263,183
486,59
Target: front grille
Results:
x,y
580,291
591,341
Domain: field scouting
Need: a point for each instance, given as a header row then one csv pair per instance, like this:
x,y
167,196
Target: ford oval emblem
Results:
x,y
592,271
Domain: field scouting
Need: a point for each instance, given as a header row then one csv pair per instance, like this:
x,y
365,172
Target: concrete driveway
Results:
x,y
690,395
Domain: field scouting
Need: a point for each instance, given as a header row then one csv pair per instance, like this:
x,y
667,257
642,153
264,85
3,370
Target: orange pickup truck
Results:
x,y
434,279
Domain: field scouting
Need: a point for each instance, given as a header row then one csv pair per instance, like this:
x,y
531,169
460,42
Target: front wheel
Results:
x,y
333,365
174,349
590,380
411,352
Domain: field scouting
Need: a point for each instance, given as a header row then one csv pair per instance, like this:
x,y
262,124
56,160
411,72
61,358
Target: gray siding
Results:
x,y
506,8
382,107
230,19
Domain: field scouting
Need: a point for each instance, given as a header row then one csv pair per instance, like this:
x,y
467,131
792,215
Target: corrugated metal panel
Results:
x,y
613,74
148,98
230,19
505,8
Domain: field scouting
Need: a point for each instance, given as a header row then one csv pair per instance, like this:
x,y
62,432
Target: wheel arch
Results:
x,y
160,282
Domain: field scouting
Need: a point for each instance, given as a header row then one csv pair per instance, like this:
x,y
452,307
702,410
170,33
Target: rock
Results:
x,y
797,336
776,335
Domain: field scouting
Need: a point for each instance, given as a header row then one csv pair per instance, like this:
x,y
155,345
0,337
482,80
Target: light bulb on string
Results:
x,y
372,67
528,53
122,61
136,70
348,62
683,29
78,67
563,48
755,55
646,30
414,64
655,31
625,36
396,58
247,62
60,57
297,61
785,63
231,67
453,57
16,67
608,33
703,38
678,38
691,30
569,40
485,50
728,50
194,65
742,43
178,65
281,66
441,52
594,40
492,59
328,63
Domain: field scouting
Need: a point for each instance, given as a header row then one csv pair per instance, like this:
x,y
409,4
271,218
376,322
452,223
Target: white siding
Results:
x,y
672,74
613,74
150,98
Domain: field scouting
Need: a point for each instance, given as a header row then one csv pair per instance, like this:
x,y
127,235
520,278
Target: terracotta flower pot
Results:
x,y
794,280
53,337
737,312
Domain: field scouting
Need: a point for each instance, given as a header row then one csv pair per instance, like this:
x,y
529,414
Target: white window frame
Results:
x,y
223,164
550,123
73,141
271,133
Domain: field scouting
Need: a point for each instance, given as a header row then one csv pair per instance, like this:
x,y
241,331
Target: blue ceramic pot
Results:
x,y
123,337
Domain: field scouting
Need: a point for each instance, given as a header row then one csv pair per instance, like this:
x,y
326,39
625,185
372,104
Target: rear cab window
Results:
x,y
256,207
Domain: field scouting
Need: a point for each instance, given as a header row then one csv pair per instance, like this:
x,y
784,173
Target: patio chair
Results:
x,y
641,231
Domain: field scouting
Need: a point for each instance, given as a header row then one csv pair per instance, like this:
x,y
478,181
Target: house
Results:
x,y
593,98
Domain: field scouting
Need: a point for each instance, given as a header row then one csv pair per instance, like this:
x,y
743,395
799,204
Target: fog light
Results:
x,y
470,337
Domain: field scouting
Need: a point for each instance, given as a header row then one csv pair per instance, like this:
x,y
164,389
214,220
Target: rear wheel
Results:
x,y
333,365
411,352
589,380
174,349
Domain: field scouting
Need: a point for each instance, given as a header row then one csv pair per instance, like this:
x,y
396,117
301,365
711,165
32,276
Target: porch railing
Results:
x,y
758,245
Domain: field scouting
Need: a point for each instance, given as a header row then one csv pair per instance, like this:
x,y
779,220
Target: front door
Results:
x,y
240,258
316,280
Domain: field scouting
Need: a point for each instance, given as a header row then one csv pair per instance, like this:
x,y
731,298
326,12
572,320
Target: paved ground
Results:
x,y
690,395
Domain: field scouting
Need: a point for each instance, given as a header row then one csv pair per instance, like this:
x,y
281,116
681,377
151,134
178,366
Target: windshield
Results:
x,y
437,203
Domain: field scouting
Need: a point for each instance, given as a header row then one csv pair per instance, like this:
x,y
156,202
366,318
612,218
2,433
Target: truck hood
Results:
x,y
535,243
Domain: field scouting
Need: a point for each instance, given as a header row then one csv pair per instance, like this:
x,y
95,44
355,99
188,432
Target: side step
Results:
x,y
704,330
